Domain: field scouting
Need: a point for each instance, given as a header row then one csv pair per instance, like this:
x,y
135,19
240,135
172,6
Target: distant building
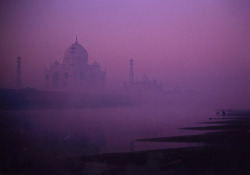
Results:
x,y
143,85
75,74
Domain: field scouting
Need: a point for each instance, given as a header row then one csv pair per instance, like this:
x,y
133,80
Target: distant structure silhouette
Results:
x,y
144,85
75,74
223,113
18,73
131,72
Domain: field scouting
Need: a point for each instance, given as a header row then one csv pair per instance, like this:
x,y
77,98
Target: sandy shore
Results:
x,y
224,151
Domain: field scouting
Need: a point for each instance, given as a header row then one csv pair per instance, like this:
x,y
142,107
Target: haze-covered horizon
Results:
x,y
198,45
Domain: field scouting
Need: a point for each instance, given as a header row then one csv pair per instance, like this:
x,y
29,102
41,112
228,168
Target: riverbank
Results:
x,y
224,151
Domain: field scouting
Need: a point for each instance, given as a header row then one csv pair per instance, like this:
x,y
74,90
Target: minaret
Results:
x,y
131,72
18,73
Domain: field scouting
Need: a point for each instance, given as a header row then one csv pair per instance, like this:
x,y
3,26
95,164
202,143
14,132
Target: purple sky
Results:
x,y
194,44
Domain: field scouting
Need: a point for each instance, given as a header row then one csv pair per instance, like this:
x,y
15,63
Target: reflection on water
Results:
x,y
100,130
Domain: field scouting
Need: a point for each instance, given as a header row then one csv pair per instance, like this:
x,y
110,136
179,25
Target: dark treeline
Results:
x,y
30,98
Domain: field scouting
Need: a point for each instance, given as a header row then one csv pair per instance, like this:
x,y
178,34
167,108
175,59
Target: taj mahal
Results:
x,y
75,73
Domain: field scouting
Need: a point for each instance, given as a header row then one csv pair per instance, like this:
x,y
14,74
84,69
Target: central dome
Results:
x,y
75,54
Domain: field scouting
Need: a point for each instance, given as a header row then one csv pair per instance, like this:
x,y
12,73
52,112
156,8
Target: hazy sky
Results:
x,y
198,44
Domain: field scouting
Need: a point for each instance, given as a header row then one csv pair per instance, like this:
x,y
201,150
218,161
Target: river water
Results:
x,y
103,130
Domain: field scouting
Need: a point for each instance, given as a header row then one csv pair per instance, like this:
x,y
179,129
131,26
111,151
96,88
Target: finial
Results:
x,y
76,38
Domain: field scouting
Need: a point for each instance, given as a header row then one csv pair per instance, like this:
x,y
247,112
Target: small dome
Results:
x,y
96,66
55,63
75,54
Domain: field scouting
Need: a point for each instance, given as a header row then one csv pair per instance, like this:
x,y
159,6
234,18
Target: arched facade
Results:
x,y
75,74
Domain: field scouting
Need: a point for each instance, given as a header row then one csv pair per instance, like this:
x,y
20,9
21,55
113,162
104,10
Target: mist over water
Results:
x,y
94,130
81,78
199,50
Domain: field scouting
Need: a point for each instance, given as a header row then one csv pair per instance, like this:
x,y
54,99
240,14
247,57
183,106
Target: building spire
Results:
x,y
76,38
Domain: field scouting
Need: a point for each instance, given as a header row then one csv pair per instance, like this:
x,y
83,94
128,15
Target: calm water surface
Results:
x,y
100,130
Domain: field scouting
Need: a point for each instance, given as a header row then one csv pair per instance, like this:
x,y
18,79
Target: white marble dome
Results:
x,y
75,54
